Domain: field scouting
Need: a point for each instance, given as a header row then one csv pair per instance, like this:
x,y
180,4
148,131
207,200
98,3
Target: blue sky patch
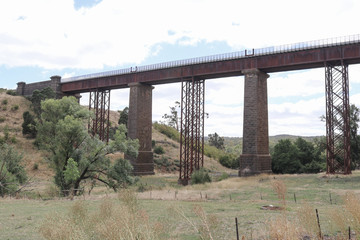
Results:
x,y
85,3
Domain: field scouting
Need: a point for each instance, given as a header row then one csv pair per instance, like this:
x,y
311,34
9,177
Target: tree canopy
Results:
x,y
124,115
74,154
12,173
216,141
296,157
172,119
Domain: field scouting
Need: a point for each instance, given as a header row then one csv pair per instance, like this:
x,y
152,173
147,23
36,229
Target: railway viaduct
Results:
x,y
255,65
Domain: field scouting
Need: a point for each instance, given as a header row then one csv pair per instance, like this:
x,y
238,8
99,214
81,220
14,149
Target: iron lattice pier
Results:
x,y
99,103
192,128
338,157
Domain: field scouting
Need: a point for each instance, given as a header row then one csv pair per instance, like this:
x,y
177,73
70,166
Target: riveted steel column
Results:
x,y
192,128
338,158
255,157
99,103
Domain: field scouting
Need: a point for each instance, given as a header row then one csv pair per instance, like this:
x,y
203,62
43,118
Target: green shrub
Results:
x,y
12,172
159,150
223,176
13,140
143,187
122,173
4,108
35,166
200,176
2,119
212,152
163,161
167,131
4,102
153,142
15,107
177,163
314,167
11,92
29,125
229,161
6,133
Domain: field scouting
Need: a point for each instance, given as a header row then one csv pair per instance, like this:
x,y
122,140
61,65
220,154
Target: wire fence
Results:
x,y
328,42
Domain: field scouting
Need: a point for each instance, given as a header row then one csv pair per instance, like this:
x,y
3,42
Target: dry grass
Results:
x,y
280,189
307,219
172,151
13,122
112,221
281,228
352,206
205,225
13,118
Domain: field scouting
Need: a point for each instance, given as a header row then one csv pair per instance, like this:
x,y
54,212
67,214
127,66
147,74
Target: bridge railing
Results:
x,y
344,40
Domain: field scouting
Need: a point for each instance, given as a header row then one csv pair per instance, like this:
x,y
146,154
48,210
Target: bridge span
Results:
x,y
289,57
254,64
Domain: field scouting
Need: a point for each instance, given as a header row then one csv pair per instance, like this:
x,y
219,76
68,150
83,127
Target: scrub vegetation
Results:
x,y
40,201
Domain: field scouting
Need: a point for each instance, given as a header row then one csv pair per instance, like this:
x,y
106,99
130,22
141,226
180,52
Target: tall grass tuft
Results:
x,y
281,227
113,220
307,219
205,225
280,189
339,223
352,206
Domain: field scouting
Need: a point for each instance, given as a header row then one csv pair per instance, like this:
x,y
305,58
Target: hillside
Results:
x,y
38,170
234,144
13,107
11,121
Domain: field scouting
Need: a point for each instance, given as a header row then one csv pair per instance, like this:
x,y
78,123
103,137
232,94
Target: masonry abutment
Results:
x,y
20,90
255,158
140,126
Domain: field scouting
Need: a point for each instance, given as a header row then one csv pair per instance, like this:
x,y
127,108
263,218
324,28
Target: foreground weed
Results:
x,y
113,220
281,228
66,227
352,206
339,223
280,189
307,219
204,225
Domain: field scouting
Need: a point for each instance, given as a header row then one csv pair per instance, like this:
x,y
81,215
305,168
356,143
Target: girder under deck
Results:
x,y
99,104
192,128
338,156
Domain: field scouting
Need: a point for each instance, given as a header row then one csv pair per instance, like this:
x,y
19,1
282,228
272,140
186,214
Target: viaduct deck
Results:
x,y
277,59
333,54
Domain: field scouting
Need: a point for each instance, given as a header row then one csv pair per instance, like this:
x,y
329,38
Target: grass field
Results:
x,y
201,211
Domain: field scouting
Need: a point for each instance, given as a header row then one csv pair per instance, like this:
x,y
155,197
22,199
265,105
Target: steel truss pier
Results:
x,y
192,128
338,156
99,103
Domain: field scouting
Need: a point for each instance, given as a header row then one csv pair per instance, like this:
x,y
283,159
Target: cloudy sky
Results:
x,y
41,38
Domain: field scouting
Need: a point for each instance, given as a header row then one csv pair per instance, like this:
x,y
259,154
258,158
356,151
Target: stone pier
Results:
x,y
140,126
255,158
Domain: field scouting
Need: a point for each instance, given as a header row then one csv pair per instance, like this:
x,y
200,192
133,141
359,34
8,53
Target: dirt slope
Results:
x,y
11,120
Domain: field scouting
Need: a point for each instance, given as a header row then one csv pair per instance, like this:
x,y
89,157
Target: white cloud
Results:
x,y
52,34
302,83
298,118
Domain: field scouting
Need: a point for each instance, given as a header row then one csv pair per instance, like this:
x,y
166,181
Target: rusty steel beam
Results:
x,y
275,62
99,104
338,158
192,128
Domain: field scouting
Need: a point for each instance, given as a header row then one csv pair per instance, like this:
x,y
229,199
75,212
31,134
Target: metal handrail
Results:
x,y
328,42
